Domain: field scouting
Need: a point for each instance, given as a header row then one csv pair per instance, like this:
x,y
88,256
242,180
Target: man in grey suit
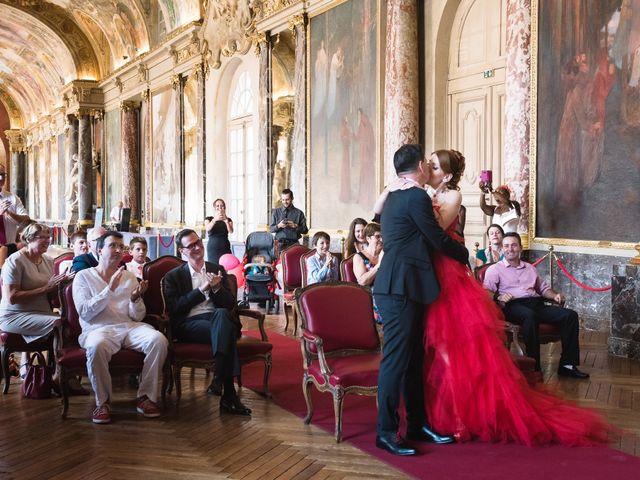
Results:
x,y
405,284
200,304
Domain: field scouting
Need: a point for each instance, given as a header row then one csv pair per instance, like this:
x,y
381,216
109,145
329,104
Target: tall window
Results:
x,y
242,162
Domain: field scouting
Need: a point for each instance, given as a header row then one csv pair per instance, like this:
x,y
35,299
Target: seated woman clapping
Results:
x,y
322,266
367,261
493,252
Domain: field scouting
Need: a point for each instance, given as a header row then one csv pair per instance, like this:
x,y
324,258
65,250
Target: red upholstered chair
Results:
x,y
13,342
71,359
291,279
200,355
59,259
340,343
346,270
304,271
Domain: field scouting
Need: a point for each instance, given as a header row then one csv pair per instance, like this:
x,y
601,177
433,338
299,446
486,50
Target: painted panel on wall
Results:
x,y
588,121
165,187
113,159
344,139
193,180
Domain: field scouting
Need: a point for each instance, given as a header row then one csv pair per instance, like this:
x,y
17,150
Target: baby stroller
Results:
x,y
259,271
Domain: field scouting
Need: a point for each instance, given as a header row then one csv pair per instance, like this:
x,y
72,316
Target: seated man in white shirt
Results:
x,y
109,303
138,249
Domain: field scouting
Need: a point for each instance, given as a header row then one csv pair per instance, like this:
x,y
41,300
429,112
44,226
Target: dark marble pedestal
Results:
x,y
625,311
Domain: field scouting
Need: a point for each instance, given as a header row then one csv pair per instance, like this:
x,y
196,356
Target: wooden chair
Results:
x,y
59,259
336,359
71,358
304,271
346,270
291,279
200,355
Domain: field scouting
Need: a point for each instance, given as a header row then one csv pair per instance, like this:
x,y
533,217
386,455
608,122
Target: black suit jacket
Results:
x,y
82,262
181,297
410,232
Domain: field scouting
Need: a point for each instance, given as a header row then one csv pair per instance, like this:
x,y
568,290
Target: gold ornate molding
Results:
x,y
268,8
175,81
97,113
16,140
118,83
128,106
146,94
143,72
227,29
296,21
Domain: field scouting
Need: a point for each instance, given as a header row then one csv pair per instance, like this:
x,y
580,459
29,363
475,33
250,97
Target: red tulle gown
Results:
x,y
474,390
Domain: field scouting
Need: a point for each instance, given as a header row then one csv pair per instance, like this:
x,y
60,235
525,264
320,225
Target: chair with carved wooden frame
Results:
x,y
336,359
304,271
291,279
200,355
71,358
346,270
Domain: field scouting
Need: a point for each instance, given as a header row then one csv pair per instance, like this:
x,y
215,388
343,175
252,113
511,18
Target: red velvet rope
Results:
x,y
64,231
168,244
577,282
539,261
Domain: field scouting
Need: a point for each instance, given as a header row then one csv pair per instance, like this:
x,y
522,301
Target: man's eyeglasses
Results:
x,y
191,246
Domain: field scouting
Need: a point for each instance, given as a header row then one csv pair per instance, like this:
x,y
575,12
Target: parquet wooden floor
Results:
x,y
198,443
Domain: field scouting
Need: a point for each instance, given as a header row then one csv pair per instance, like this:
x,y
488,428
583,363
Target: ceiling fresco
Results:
x,y
44,45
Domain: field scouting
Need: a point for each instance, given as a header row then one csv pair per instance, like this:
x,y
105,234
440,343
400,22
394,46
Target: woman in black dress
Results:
x,y
218,229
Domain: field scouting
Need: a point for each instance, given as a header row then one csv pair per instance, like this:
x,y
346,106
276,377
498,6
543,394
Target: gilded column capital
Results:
x,y
83,111
16,140
97,113
298,20
128,106
260,41
146,94
175,81
199,71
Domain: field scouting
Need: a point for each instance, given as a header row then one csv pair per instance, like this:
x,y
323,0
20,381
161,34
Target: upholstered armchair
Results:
x,y
71,359
340,344
346,270
59,259
291,279
304,271
200,355
14,342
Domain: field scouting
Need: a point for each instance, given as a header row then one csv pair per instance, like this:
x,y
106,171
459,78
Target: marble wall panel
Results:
x,y
594,308
113,159
625,311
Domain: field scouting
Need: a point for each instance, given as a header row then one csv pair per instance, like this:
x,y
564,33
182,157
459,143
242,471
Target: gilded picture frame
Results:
x,y
344,111
585,169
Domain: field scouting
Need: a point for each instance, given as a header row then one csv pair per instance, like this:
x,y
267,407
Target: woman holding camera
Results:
x,y
218,229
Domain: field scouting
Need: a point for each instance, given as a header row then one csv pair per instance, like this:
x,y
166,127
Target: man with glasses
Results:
x,y
110,306
200,304
90,259
13,215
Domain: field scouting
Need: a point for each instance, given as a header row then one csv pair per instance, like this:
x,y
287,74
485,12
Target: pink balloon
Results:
x,y
229,262
239,273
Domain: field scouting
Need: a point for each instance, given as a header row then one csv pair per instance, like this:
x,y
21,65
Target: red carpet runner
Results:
x,y
473,460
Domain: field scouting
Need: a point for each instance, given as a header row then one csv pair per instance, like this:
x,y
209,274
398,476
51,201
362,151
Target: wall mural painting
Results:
x,y
165,182
587,139
193,174
344,79
113,160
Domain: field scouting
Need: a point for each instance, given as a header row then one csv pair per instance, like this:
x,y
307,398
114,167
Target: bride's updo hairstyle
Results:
x,y
451,161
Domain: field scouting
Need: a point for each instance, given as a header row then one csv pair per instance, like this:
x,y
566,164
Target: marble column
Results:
x,y
200,73
177,82
85,184
265,121
401,96
71,170
298,136
18,174
145,213
130,161
517,104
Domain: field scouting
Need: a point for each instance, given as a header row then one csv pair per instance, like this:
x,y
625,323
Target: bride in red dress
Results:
x,y
474,390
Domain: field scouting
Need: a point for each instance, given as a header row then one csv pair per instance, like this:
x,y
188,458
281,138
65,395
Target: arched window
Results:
x,y
241,158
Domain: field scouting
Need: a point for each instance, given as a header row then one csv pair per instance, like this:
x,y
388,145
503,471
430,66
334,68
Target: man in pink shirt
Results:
x,y
521,292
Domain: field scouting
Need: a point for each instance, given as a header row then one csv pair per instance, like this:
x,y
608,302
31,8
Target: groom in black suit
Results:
x,y
405,284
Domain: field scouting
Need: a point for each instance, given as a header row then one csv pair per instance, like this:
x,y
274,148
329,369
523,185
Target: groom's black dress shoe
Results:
x,y
571,372
425,434
393,446
234,407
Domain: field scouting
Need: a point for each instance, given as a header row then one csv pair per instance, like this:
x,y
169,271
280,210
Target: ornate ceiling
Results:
x,y
44,45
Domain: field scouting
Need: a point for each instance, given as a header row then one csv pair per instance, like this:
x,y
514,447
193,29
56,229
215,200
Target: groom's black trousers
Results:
x,y
401,365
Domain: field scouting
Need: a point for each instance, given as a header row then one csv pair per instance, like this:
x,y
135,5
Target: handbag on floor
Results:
x,y
39,379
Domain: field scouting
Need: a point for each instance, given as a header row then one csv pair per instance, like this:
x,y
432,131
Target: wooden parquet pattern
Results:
x,y
198,443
